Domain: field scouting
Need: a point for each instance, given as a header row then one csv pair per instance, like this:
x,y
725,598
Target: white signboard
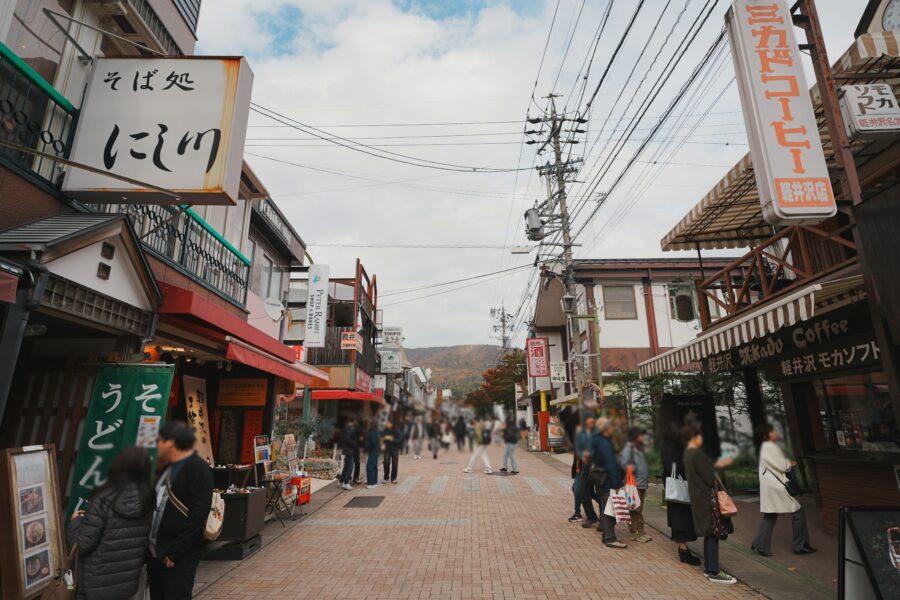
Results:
x,y
558,372
785,146
176,123
392,337
869,109
351,340
317,307
390,362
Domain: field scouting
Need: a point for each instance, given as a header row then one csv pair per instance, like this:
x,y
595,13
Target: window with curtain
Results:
x,y
619,302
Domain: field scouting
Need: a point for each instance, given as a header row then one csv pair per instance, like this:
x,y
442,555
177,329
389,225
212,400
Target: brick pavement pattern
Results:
x,y
453,536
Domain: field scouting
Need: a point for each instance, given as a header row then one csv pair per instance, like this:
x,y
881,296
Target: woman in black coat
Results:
x,y
114,532
678,516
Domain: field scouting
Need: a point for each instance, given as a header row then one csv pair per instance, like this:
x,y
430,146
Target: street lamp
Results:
x,y
568,303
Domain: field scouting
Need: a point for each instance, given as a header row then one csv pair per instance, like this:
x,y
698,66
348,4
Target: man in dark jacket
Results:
x,y
604,456
459,431
349,448
393,441
184,497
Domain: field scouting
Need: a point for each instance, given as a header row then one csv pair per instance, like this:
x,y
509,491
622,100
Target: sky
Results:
x,y
452,82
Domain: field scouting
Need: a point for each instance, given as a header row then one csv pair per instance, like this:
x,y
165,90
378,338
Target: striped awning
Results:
x,y
730,216
793,308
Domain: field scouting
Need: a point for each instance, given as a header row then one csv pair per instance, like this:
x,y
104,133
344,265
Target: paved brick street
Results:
x,y
443,534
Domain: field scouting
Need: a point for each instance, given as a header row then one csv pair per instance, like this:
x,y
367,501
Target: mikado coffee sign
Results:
x,y
174,123
788,160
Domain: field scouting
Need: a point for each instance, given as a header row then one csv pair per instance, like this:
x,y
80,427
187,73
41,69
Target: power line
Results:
x,y
410,246
456,289
445,283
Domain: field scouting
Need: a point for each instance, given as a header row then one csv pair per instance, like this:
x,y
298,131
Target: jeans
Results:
x,y
509,455
711,555
608,523
391,462
471,439
636,527
587,496
480,452
357,462
372,468
799,539
176,583
347,471
435,444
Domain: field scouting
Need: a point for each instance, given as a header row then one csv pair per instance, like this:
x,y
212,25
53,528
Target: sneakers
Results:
x,y
345,486
503,469
372,486
357,481
575,519
641,539
394,481
514,472
721,577
467,470
616,544
488,471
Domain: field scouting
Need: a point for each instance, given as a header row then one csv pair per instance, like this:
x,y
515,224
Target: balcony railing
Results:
x,y
184,240
32,114
785,261
332,355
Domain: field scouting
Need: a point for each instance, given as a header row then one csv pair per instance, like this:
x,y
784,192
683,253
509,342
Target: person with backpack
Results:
x,y
184,494
511,438
483,440
633,455
113,532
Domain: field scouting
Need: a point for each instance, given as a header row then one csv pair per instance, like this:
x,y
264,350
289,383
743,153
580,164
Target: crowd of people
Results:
x,y
598,471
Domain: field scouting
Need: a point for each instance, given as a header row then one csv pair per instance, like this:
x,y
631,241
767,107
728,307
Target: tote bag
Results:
x,y
631,491
726,505
677,489
617,506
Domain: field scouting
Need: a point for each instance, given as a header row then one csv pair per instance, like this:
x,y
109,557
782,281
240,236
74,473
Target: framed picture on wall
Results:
x,y
31,512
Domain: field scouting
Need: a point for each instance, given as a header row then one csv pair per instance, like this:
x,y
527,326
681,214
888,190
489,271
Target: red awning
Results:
x,y
184,303
346,395
8,285
265,362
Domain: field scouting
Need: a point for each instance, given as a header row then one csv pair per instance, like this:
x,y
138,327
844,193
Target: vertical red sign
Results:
x,y
538,353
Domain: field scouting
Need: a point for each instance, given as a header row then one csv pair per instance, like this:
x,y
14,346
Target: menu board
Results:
x,y
198,416
869,553
32,556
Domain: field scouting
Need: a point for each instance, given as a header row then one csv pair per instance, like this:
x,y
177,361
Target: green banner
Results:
x,y
128,406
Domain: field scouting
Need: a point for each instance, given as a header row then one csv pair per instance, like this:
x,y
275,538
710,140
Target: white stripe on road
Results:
x,y
471,485
407,485
537,486
505,486
439,485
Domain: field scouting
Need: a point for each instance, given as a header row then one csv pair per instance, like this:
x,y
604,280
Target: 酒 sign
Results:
x,y
537,351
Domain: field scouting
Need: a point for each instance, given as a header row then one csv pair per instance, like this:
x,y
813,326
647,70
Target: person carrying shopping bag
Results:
x,y
633,456
775,499
603,456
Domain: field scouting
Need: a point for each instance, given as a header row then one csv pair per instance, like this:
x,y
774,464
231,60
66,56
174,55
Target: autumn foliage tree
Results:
x,y
498,385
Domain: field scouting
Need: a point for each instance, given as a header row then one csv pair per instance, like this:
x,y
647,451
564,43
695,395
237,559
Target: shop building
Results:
x,y
798,308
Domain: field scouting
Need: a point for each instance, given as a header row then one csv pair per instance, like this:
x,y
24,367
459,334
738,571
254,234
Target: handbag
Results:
x,y
726,505
597,475
791,484
617,506
716,520
63,584
631,491
212,529
677,489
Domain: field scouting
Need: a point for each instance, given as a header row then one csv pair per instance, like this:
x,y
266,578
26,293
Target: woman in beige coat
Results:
x,y
774,498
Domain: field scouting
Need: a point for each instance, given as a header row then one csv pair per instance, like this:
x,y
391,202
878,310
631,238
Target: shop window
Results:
x,y
35,38
619,302
681,301
857,413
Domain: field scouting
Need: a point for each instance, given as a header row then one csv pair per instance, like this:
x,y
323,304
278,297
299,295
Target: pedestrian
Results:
x,y
701,478
359,432
470,434
774,498
511,438
112,534
434,437
418,434
406,430
633,454
459,430
678,515
393,441
183,501
349,450
483,436
446,435
586,488
523,431
372,445
603,456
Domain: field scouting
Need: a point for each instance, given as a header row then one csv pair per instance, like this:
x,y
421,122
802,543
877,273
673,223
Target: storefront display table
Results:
x,y
275,496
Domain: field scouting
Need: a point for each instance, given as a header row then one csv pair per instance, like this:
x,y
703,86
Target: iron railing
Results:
x,y
331,354
183,239
35,115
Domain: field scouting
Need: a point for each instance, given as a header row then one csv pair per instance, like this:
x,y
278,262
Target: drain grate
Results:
x,y
365,502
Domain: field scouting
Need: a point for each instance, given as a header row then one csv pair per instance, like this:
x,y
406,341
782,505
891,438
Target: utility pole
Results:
x,y
556,210
503,322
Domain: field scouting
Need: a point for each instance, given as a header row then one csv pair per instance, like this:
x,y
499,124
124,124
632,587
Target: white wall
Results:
x,y
623,333
670,331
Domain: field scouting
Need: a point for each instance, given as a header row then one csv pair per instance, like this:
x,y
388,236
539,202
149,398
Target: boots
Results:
x,y
688,557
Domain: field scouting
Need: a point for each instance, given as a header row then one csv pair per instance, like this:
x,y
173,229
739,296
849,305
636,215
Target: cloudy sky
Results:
x,y
451,82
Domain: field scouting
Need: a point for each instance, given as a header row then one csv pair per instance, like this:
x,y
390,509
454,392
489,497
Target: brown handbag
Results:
x,y
727,507
60,588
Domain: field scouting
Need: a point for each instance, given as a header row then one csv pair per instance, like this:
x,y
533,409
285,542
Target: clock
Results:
x,y
880,16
